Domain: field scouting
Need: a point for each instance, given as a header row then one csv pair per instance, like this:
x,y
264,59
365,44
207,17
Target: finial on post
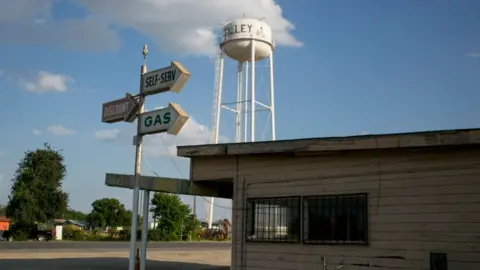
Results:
x,y
145,51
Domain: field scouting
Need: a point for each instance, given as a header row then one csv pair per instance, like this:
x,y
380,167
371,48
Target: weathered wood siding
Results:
x,y
418,202
211,168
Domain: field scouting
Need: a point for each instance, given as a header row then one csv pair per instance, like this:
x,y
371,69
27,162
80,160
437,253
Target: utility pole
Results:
x,y
138,166
146,193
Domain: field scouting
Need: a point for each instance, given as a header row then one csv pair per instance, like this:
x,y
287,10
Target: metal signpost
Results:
x,y
171,120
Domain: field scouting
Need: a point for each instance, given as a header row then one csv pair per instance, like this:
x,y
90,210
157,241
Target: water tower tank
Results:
x,y
237,37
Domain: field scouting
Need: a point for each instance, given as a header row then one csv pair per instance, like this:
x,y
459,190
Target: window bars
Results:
x,y
327,220
335,219
273,220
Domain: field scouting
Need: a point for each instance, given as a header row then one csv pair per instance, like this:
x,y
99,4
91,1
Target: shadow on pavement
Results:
x,y
98,263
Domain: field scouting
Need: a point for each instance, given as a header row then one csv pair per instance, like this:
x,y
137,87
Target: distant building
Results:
x,y
4,223
80,224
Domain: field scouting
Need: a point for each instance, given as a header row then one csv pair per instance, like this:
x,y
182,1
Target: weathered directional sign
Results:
x,y
172,78
170,119
118,110
133,107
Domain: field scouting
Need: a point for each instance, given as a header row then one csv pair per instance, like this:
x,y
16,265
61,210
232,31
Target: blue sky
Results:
x,y
345,68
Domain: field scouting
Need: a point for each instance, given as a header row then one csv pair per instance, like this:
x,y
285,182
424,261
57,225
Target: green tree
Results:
x,y
2,210
36,194
173,216
108,212
139,218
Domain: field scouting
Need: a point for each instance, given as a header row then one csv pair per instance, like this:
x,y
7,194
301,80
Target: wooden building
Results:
x,y
375,202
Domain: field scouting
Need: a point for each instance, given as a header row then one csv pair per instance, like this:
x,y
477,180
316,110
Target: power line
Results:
x,y
179,172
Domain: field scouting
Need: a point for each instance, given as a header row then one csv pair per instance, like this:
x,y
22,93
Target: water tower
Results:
x,y
245,41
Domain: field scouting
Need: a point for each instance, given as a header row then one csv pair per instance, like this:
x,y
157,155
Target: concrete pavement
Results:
x,y
111,245
101,256
100,264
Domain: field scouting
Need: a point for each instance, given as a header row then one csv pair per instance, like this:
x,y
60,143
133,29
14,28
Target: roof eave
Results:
x,y
365,142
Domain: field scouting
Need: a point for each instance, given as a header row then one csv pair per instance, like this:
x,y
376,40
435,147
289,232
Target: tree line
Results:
x,y
37,197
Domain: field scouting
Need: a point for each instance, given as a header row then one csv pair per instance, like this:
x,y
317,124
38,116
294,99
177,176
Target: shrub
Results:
x,y
193,236
68,232
159,235
93,237
20,235
78,236
125,235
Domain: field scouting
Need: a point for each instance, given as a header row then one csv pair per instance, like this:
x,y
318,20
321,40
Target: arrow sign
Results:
x,y
132,108
117,110
172,78
170,119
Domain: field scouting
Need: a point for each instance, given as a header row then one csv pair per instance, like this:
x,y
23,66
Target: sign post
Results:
x,y
170,119
136,185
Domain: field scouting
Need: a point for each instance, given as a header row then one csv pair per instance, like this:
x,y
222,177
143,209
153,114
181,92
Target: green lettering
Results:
x,y
166,118
158,120
148,121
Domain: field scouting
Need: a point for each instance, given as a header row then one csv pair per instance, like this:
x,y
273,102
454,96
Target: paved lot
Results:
x,y
165,256
109,245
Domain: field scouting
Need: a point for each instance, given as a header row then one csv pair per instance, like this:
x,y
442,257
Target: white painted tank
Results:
x,y
238,34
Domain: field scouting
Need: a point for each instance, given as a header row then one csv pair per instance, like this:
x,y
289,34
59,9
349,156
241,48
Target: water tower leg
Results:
x,y
252,103
217,128
245,116
143,246
219,99
272,98
239,103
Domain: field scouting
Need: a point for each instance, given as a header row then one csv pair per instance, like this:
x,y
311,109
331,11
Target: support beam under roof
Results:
x,y
172,185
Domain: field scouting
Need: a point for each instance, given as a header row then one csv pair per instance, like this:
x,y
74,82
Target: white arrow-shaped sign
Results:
x,y
172,78
170,119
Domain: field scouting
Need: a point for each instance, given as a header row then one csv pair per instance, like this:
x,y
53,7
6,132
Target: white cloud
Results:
x,y
46,82
59,130
177,25
37,132
19,10
107,134
474,55
39,21
192,133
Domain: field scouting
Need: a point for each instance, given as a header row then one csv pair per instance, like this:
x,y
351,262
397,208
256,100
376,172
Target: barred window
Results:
x,y
273,220
335,220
